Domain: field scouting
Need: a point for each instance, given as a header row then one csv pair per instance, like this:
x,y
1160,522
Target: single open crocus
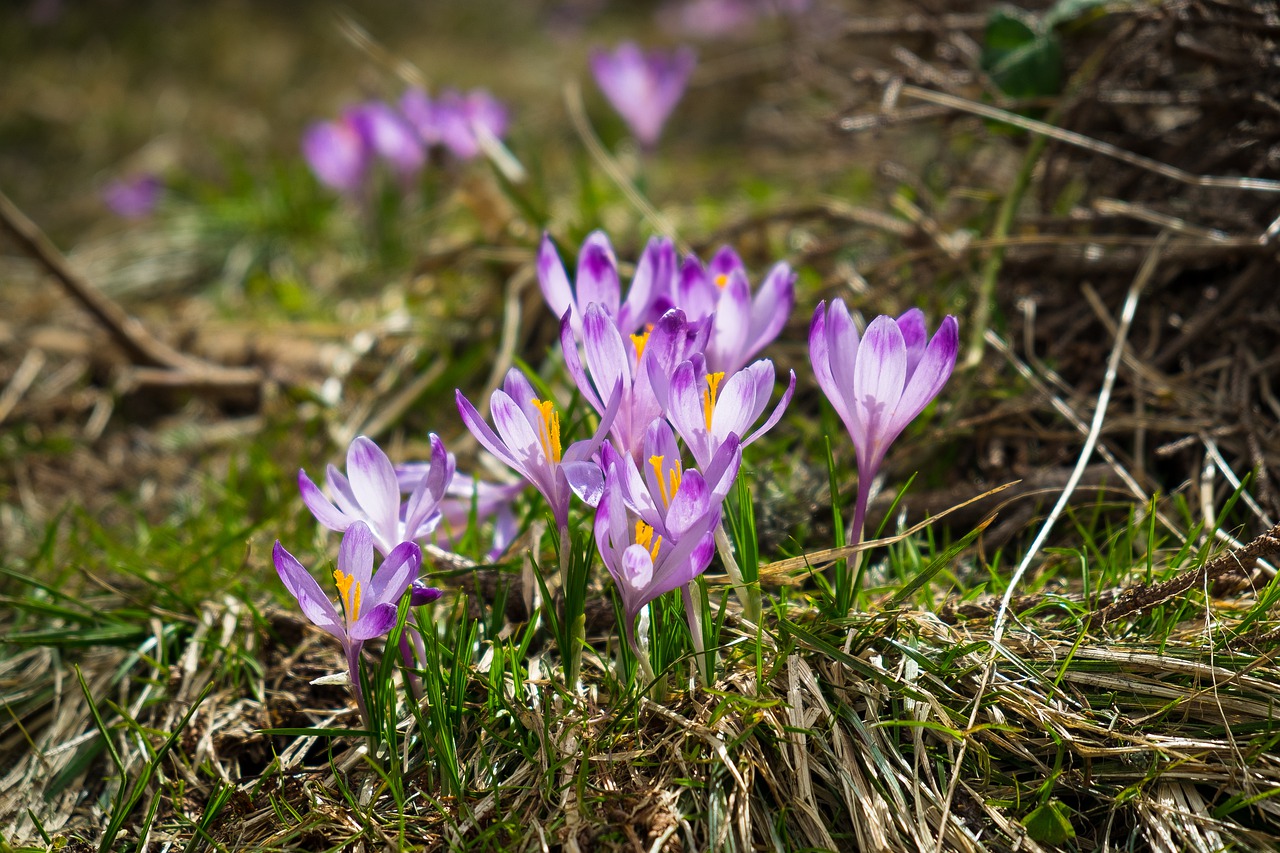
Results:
x,y
527,439
597,281
706,409
369,493
743,324
627,363
367,600
879,382
644,87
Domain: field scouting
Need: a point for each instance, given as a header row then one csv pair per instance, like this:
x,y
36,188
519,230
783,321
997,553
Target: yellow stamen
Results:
x,y
549,430
641,339
722,280
349,590
709,398
644,538
671,484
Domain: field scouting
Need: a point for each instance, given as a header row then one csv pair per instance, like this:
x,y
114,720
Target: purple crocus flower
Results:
x,y
337,154
369,494
743,325
528,441
707,410
628,364
386,133
368,599
880,383
651,288
643,87
462,120
647,559
133,198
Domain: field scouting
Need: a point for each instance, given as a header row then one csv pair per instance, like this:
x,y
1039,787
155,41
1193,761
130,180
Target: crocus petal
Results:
x,y
689,504
374,622
695,294
931,374
483,434
325,512
915,335
844,347
607,357
586,480
598,274
355,554
771,308
742,398
724,466
373,482
686,413
420,594
518,435
553,280
653,280
776,414
302,586
570,331
394,576
730,327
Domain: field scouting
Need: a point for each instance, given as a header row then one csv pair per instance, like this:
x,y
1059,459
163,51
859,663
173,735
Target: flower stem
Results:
x,y
353,667
859,521
748,596
575,620
693,611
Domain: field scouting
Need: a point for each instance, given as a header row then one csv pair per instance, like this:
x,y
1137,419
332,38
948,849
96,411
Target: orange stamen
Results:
x,y
641,340
671,484
709,398
549,429
349,590
644,538
721,280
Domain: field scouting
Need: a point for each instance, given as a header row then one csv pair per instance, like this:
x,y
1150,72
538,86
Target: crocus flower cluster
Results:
x,y
367,504
644,363
643,86
342,153
134,197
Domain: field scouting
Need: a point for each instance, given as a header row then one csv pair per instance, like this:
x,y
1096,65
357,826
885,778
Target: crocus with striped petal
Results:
x,y
597,281
369,493
386,133
743,324
880,382
629,364
367,599
528,440
464,119
706,409
644,87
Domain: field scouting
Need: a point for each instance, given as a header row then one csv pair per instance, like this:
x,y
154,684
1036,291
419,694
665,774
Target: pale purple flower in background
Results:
x,y
337,154
707,410
708,19
368,599
645,560
881,382
422,113
628,364
390,136
644,87
489,501
464,119
597,281
528,441
743,324
133,198
369,493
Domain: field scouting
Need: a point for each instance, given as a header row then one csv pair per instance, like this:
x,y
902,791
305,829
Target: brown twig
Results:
x,y
175,369
1146,596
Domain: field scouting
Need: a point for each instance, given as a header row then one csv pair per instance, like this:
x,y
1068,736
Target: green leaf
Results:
x,y
1072,11
1023,58
1049,824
